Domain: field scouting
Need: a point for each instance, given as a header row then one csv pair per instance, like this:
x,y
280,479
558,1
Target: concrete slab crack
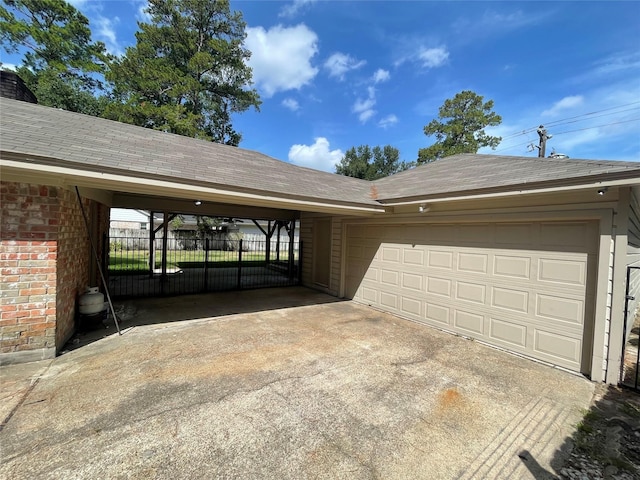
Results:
x,y
5,421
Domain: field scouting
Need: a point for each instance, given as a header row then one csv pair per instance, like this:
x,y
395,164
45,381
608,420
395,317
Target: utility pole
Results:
x,y
542,133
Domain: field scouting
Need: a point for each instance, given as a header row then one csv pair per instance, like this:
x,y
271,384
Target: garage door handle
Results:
x,y
630,297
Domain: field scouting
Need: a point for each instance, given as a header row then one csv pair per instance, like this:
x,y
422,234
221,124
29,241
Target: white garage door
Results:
x,y
526,287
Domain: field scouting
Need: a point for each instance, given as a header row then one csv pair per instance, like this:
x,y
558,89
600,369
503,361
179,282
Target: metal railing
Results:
x,y
630,368
197,264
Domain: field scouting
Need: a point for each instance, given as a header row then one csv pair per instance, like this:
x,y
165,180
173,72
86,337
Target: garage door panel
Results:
x,y
389,300
510,266
471,292
510,299
355,251
390,277
507,289
370,253
439,286
411,306
390,254
472,233
412,281
572,236
468,321
514,234
564,272
440,259
511,333
438,313
440,233
370,294
371,274
560,308
473,262
564,349
413,257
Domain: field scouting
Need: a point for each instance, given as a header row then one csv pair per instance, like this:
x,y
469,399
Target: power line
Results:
x,y
566,120
569,131
598,126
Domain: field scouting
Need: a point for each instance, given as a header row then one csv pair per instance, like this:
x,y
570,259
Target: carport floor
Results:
x,y
323,390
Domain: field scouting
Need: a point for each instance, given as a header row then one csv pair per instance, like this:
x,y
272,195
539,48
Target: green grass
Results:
x,y
135,261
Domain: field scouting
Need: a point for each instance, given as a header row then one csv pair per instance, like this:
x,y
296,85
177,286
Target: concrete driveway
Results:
x,y
301,387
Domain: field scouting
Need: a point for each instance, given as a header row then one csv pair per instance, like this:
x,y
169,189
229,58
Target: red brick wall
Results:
x,y
28,254
74,255
45,260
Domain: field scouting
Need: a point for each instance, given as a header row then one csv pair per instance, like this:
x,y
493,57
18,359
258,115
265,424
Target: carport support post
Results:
x,y
152,244
240,265
206,264
267,252
291,231
165,233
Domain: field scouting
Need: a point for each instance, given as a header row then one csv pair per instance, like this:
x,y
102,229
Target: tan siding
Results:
x,y
306,236
306,239
336,256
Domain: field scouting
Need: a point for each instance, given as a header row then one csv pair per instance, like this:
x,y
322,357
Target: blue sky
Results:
x,y
337,74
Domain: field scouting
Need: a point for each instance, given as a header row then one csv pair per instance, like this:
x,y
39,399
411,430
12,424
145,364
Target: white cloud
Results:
x,y
293,8
364,107
106,32
427,57
381,75
318,156
340,63
388,121
567,103
497,23
77,3
143,13
8,66
291,104
433,57
281,57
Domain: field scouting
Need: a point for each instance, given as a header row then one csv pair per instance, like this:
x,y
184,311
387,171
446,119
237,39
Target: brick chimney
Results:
x,y
12,86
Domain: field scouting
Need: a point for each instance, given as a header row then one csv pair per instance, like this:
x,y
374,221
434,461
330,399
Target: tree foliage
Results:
x,y
187,73
371,163
460,128
62,66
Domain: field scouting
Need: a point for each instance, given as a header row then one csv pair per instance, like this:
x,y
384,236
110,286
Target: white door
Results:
x,y
526,287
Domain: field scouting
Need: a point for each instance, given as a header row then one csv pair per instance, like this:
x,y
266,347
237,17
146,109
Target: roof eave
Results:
x,y
516,190
18,169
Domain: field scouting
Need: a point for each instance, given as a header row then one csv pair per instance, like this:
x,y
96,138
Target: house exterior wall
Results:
x,y
618,285
306,237
73,265
44,264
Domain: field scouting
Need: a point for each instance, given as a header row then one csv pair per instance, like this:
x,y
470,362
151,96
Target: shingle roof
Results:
x,y
70,139
470,173
61,138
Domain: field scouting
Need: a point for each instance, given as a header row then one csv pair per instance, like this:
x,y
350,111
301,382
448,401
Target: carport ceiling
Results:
x,y
188,206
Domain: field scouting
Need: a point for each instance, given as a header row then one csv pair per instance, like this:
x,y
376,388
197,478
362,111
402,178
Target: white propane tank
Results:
x,y
91,301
